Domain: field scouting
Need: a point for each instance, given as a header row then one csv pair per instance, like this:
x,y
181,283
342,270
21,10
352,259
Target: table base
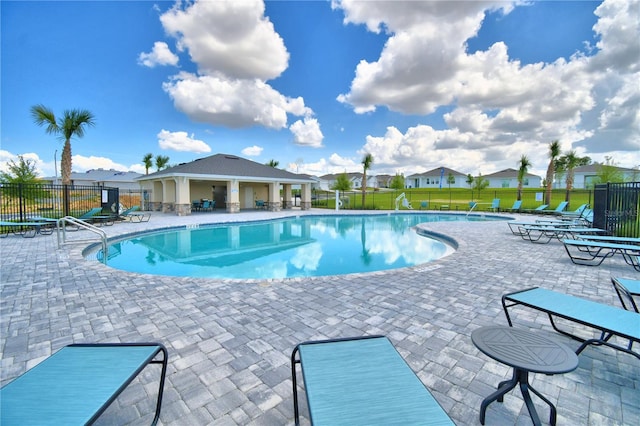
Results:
x,y
519,377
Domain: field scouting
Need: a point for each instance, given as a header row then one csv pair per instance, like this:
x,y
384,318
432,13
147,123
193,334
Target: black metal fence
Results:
x,y
19,201
616,208
450,199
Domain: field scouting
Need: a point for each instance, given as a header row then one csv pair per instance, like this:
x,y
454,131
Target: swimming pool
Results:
x,y
283,248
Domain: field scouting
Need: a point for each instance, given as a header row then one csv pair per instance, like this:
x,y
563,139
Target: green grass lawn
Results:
x,y
455,199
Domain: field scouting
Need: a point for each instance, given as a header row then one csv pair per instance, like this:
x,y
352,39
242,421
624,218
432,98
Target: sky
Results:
x,y
316,85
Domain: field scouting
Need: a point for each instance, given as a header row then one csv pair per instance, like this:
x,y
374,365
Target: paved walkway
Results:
x,y
230,341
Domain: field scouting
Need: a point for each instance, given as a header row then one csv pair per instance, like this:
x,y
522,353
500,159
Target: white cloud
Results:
x,y
497,104
233,38
229,102
159,55
181,141
307,132
252,151
236,50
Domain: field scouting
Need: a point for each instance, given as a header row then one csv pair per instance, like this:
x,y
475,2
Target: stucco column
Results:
x,y
286,196
168,195
274,204
305,200
233,196
183,203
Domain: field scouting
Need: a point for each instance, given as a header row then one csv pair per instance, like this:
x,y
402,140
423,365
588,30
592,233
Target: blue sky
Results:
x,y
315,85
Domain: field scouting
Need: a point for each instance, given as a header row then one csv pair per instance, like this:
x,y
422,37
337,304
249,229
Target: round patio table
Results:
x,y
526,352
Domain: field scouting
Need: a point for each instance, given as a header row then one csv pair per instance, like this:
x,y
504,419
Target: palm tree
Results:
x,y
523,168
161,162
273,163
72,123
554,152
571,161
147,160
367,161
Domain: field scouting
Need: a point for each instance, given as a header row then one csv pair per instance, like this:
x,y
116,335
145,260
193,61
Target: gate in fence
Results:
x,y
615,208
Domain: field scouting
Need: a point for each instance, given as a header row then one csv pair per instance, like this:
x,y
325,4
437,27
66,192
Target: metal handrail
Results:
x,y
62,229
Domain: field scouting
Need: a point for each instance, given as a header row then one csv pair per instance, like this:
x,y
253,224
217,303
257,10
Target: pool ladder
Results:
x,y
61,227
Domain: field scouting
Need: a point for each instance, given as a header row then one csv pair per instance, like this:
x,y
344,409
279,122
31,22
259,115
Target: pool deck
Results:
x,y
230,341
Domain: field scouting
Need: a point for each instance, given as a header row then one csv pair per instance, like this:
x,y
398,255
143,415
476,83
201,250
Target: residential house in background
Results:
x,y
124,181
355,178
436,178
585,177
508,178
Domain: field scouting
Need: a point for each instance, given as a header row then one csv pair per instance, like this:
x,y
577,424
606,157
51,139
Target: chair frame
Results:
x,y
585,313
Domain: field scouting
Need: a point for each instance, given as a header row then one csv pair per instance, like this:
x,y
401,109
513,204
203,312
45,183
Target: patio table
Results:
x,y
526,352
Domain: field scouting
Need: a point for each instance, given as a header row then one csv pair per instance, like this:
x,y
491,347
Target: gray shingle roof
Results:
x,y
226,166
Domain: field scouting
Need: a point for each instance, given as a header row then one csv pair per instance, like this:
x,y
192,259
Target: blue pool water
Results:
x,y
283,248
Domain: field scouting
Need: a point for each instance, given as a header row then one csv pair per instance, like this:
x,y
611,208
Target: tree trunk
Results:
x,y
65,163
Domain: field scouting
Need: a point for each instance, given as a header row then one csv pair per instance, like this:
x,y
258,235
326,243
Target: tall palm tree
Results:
x,y
161,162
523,168
571,161
554,152
72,123
147,160
367,161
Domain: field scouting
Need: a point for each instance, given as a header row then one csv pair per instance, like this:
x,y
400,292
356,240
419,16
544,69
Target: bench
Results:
x,y
609,320
593,253
361,381
75,385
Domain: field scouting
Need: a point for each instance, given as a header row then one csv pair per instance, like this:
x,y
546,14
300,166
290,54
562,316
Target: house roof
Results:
x,y
102,175
226,166
437,172
594,168
508,173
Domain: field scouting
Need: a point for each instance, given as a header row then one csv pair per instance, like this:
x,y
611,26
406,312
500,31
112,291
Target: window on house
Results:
x,y
505,183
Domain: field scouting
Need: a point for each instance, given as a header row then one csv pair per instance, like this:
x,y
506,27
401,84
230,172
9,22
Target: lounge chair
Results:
x,y
610,321
558,210
133,215
260,204
626,289
538,209
544,234
577,212
517,205
77,384
495,205
593,253
515,225
25,229
424,205
363,381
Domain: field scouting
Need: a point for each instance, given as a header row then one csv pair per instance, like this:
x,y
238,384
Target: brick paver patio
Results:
x,y
229,342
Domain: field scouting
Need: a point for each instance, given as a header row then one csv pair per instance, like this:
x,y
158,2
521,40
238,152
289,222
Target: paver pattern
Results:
x,y
230,341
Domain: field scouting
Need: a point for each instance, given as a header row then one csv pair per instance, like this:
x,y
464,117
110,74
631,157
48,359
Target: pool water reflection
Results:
x,y
285,248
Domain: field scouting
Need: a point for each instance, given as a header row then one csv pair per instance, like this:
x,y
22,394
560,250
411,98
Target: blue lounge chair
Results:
x,y
575,213
544,234
25,229
75,385
133,215
517,205
538,209
593,252
626,289
609,320
364,381
495,205
558,210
